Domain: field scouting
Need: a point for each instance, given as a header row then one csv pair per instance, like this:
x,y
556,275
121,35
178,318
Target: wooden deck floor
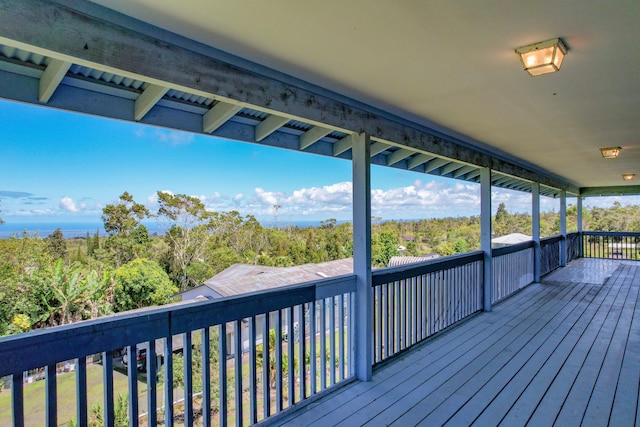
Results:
x,y
565,352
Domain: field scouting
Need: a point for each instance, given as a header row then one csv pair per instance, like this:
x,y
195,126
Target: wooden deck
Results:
x,y
565,352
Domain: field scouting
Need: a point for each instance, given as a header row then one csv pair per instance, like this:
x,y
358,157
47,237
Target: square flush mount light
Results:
x,y
628,176
610,152
543,57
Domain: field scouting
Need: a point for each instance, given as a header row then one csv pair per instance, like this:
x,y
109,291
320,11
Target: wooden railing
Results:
x,y
573,246
549,254
231,374
512,269
414,301
615,245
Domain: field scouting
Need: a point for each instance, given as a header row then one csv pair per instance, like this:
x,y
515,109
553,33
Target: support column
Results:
x,y
362,255
579,220
535,229
563,228
485,235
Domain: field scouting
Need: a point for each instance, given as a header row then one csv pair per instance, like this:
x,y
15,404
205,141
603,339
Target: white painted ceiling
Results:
x,y
451,65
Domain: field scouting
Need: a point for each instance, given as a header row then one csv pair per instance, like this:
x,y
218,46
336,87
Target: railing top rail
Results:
x,y
612,233
60,343
505,250
391,274
550,240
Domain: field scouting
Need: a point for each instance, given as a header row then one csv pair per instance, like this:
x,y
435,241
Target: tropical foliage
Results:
x,y
54,281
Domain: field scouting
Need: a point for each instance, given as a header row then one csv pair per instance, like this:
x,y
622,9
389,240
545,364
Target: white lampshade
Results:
x,y
543,57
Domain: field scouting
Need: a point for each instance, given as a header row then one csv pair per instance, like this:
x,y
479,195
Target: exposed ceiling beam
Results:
x,y
435,164
312,136
418,160
463,171
500,179
343,145
51,78
218,115
149,56
147,99
453,166
269,126
398,155
610,191
476,172
378,147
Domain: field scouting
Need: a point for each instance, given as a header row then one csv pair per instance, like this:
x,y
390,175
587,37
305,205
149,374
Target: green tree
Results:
x,y
57,244
122,223
188,233
141,283
386,248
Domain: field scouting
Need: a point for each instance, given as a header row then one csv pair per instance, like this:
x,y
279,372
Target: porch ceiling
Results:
x,y
448,67
451,65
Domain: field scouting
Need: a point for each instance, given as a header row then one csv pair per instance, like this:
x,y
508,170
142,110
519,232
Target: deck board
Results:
x,y
563,352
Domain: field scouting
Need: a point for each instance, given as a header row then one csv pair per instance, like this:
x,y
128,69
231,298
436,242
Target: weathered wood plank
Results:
x,y
553,344
584,384
363,396
499,390
625,404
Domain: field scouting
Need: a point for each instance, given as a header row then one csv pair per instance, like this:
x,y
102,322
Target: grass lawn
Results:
x,y
34,396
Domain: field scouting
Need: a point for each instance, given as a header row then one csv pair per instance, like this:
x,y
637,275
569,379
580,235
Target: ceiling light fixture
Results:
x,y
543,57
628,176
610,152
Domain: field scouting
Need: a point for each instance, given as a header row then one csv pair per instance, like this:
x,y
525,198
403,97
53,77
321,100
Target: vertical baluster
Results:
x,y
341,348
132,376
395,327
107,378
278,364
206,378
323,344
301,349
313,368
351,334
222,373
187,355
376,324
17,400
291,357
402,314
168,380
332,342
384,321
237,339
253,401
392,318
266,365
152,379
81,391
51,396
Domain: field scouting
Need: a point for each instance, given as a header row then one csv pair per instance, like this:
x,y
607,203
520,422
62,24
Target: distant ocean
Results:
x,y
72,230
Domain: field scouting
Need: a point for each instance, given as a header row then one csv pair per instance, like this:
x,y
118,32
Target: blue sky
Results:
x,y
65,167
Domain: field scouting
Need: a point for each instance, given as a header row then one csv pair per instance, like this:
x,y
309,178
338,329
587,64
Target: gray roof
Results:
x,y
242,278
401,260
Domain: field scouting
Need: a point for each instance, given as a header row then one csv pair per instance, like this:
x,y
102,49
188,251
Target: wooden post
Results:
x,y
579,220
362,255
485,235
563,228
535,229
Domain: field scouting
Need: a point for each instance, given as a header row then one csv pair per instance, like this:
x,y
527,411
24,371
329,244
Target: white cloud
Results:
x,y
174,137
67,204
238,197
